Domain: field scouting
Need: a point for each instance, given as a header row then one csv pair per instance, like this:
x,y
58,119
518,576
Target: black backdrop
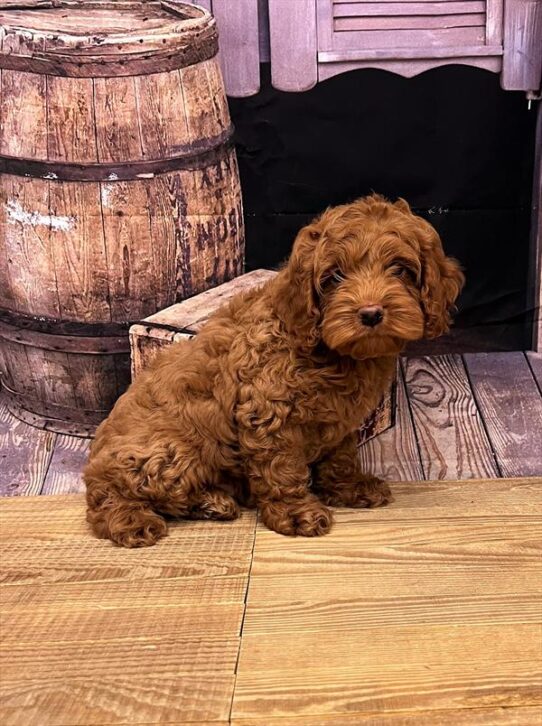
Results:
x,y
450,141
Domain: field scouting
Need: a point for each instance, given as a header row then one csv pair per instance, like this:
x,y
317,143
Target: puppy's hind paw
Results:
x,y
375,492
368,493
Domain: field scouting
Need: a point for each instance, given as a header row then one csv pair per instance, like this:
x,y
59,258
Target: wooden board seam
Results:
x,y
536,381
402,372
245,604
483,421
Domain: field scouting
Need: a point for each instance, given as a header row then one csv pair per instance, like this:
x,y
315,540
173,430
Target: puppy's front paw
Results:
x,y
368,492
306,517
138,529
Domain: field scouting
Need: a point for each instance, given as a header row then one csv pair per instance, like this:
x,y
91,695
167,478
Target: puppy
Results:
x,y
276,385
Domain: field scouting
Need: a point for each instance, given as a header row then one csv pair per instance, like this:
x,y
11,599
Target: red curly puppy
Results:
x,y
276,385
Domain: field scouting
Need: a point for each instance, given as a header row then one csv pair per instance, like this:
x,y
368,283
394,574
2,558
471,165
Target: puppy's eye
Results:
x,y
333,277
404,272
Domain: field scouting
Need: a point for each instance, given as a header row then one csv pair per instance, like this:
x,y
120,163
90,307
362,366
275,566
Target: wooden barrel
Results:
x,y
119,192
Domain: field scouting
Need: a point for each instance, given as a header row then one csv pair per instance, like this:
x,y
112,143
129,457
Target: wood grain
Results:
x,y
115,103
69,554
428,613
70,120
23,112
64,473
408,22
403,9
393,454
25,454
511,406
97,634
522,58
510,716
81,268
494,21
294,44
26,244
450,433
535,362
428,38
239,45
387,688
394,647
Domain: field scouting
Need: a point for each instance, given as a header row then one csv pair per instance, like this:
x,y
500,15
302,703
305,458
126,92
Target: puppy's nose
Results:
x,y
371,315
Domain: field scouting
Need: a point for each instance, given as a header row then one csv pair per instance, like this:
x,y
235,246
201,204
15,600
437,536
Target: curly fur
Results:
x,y
275,386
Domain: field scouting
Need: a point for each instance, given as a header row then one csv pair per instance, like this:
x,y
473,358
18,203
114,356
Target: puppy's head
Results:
x,y
365,278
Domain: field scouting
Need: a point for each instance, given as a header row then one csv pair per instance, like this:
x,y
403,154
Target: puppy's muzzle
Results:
x,y
371,315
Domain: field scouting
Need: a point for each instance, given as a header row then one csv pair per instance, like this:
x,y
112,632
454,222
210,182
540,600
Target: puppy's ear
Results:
x,y
442,281
296,299
402,205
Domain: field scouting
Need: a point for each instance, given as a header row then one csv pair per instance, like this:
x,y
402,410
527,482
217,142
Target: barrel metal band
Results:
x,y
55,326
196,156
37,409
85,345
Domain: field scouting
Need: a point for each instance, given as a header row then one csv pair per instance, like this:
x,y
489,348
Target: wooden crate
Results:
x,y
183,321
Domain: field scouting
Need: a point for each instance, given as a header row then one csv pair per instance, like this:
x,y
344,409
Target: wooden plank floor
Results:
x,y
426,612
459,417
94,634
423,610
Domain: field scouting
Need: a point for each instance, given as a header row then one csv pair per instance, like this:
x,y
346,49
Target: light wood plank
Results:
x,y
117,698
368,9
54,659
23,110
239,45
522,59
393,455
64,475
494,13
511,406
70,120
365,613
115,104
449,429
293,42
69,554
410,22
386,688
431,613
197,309
125,594
25,453
84,293
29,225
389,54
98,634
122,624
392,39
395,647
526,716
